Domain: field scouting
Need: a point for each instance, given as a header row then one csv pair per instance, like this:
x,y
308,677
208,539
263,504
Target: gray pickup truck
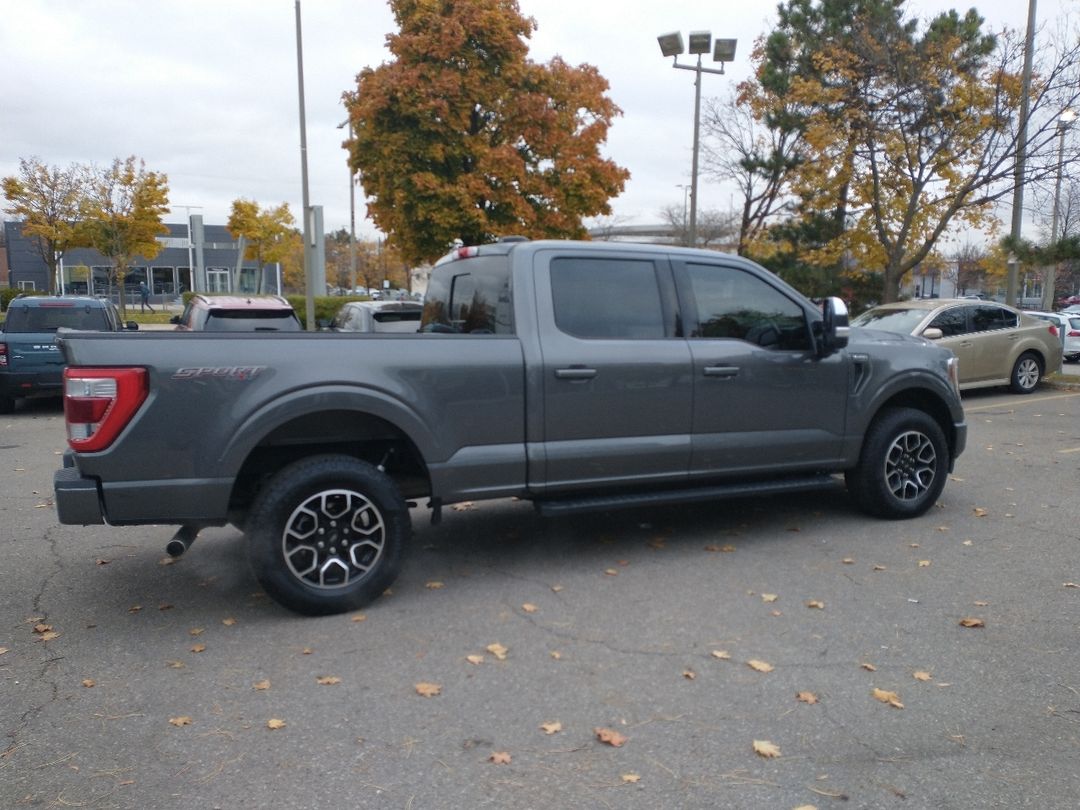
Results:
x,y
579,375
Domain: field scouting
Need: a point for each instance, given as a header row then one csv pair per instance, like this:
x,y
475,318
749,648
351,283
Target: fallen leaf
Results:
x,y
41,628
134,608
275,723
167,560
556,655
475,659
764,748
656,542
631,778
48,636
913,545
261,686
689,674
868,667
556,588
498,650
196,631
198,648
807,697
89,683
776,613
180,721
922,676
358,617
891,698
434,585
611,572
307,651
500,758
848,561
969,621
980,603
979,511
924,563
229,622
760,666
942,528
806,807
328,680
1071,585
610,736
968,543
463,506
102,562
723,655
3,650
769,597
428,689
552,727
176,664
814,603
529,607
879,567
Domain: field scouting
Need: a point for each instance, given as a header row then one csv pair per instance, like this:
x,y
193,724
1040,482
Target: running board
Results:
x,y
595,503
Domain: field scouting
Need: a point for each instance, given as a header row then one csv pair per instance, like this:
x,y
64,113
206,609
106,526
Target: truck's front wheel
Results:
x,y
903,465
327,534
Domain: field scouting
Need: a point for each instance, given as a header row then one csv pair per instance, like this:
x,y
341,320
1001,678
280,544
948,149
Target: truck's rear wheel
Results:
x,y
327,534
903,465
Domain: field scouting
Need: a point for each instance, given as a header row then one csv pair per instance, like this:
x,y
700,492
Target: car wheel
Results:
x,y
1026,374
327,534
902,467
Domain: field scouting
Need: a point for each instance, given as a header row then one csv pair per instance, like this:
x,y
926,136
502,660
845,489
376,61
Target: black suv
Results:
x,y
30,361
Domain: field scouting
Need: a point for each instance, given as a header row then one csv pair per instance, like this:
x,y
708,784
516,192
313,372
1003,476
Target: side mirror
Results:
x,y
834,326
932,333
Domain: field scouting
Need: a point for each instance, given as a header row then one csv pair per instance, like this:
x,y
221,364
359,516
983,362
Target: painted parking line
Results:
x,y
1021,400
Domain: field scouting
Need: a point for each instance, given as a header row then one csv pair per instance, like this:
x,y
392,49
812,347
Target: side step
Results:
x,y
595,503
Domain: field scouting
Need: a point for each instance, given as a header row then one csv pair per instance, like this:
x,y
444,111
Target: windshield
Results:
x,y
48,317
902,321
252,320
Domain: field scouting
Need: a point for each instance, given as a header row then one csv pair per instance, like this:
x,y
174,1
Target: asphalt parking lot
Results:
x,y
769,653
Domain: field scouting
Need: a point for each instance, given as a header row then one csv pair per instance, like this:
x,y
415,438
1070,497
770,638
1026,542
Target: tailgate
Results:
x,y
30,352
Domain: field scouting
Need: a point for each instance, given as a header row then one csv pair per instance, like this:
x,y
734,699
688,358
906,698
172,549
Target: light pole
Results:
x,y
700,42
685,196
308,230
352,212
1021,152
1050,274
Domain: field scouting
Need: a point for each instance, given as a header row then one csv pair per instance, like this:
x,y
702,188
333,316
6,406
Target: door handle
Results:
x,y
575,373
721,371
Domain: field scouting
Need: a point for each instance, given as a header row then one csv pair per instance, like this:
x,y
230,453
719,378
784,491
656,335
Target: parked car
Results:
x,y
237,313
1072,310
1061,324
377,316
996,344
30,361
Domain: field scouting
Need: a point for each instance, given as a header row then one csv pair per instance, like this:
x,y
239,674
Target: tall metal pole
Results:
x,y
1021,153
1050,274
352,219
309,275
694,163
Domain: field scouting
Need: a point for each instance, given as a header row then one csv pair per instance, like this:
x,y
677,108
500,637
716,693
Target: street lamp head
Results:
x,y
671,44
724,50
1066,118
700,42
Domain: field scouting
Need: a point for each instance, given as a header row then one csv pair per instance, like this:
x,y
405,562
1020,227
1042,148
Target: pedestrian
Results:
x,y
144,297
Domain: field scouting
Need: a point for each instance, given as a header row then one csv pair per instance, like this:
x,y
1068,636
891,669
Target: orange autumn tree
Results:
x,y
462,137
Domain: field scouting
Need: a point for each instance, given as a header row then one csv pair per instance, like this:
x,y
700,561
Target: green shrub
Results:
x,y
7,293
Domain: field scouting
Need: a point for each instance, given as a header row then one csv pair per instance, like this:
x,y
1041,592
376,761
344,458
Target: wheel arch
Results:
x,y
381,432
928,401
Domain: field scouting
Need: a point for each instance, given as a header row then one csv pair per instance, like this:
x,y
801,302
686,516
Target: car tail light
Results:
x,y
99,403
1053,330
1072,333
3,355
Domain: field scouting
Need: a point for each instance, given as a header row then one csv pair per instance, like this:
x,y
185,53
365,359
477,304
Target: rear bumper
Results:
x,y
31,383
78,499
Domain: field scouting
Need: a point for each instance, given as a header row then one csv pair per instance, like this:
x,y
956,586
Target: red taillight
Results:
x,y
99,402
1053,330
1074,333
3,354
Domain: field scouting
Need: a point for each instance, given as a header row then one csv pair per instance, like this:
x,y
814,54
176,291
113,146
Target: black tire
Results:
x,y
902,467
1026,374
327,534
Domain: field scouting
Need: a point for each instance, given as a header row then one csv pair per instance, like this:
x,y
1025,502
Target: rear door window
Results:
x,y
607,298
470,296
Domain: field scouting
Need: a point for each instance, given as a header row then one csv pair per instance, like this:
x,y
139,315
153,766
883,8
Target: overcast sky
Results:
x,y
205,91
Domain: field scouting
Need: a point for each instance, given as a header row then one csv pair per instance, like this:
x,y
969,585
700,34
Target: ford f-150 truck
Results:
x,y
580,375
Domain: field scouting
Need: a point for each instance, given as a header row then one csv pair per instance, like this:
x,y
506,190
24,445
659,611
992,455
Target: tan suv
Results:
x,y
237,313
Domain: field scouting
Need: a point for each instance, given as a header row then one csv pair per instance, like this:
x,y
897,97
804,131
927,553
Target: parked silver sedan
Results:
x,y
996,344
